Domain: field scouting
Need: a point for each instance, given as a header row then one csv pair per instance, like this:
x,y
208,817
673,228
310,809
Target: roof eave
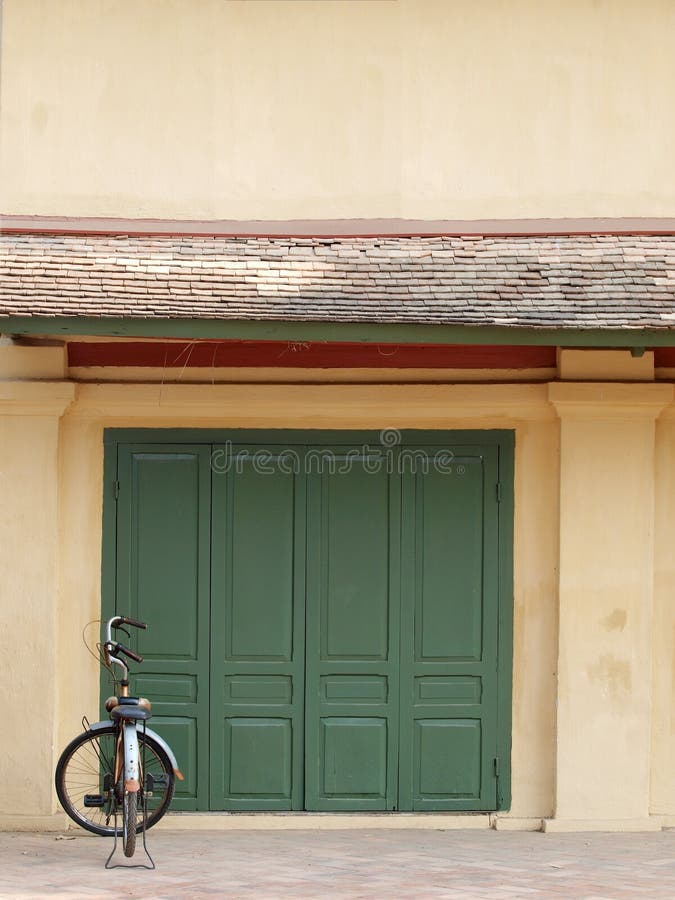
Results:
x,y
367,332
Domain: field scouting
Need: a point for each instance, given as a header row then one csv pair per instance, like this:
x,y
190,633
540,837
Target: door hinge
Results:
x,y
116,488
496,766
499,492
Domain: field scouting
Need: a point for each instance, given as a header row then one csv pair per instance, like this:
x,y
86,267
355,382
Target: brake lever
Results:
x,y
121,628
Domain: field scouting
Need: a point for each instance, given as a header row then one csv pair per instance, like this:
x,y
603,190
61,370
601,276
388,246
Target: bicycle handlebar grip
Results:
x,y
120,648
133,622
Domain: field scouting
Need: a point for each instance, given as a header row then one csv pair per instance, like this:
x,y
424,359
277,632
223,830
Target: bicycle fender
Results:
x,y
99,726
163,744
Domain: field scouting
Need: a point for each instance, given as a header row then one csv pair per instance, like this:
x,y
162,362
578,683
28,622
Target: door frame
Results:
x,y
504,439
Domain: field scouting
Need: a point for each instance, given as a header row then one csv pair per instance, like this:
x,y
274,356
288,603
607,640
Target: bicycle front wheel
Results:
x,y
85,781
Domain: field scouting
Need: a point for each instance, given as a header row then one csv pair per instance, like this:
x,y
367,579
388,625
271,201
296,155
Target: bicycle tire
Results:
x,y
85,762
129,807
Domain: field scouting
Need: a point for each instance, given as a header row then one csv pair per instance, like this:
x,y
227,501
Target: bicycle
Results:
x,y
118,768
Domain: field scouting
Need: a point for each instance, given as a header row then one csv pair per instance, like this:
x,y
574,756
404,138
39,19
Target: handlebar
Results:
x,y
125,620
113,648
120,648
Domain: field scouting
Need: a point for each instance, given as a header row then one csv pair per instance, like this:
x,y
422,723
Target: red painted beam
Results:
x,y
664,357
283,354
336,228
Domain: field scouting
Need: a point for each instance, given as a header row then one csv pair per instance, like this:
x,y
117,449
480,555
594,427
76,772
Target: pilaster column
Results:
x,y
29,430
605,603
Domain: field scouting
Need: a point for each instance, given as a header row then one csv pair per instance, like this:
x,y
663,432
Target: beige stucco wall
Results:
x,y
73,542
524,408
280,110
663,670
593,688
604,703
28,526
29,577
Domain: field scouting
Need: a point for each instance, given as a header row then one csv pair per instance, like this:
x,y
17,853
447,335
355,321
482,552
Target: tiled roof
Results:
x,y
571,282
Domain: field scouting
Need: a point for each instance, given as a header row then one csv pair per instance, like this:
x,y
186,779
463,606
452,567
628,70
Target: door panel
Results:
x,y
351,729
449,548
353,759
258,754
257,679
163,578
448,759
449,628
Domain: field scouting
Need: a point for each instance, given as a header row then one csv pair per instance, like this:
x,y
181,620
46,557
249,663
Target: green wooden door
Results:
x,y
351,724
449,695
325,631
257,633
163,529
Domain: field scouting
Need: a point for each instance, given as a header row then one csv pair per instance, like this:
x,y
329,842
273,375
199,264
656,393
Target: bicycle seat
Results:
x,y
112,702
129,712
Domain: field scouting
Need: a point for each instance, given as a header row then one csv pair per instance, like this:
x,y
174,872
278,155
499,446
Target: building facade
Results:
x,y
338,343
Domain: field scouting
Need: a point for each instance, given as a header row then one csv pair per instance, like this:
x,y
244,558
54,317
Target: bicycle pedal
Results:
x,y
94,800
155,781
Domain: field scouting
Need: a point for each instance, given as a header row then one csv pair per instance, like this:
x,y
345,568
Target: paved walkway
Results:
x,y
414,865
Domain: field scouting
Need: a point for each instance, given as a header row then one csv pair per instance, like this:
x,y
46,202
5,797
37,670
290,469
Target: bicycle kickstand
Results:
x,y
145,845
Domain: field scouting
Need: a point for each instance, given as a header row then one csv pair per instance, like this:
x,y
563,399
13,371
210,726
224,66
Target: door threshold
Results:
x,y
313,821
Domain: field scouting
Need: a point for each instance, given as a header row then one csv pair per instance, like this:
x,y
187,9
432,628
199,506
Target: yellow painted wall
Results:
x,y
329,406
264,374
29,575
288,109
80,520
606,590
593,668
28,522
535,625
662,775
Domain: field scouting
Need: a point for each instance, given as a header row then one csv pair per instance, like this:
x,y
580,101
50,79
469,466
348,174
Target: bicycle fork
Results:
x,y
128,772
131,774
